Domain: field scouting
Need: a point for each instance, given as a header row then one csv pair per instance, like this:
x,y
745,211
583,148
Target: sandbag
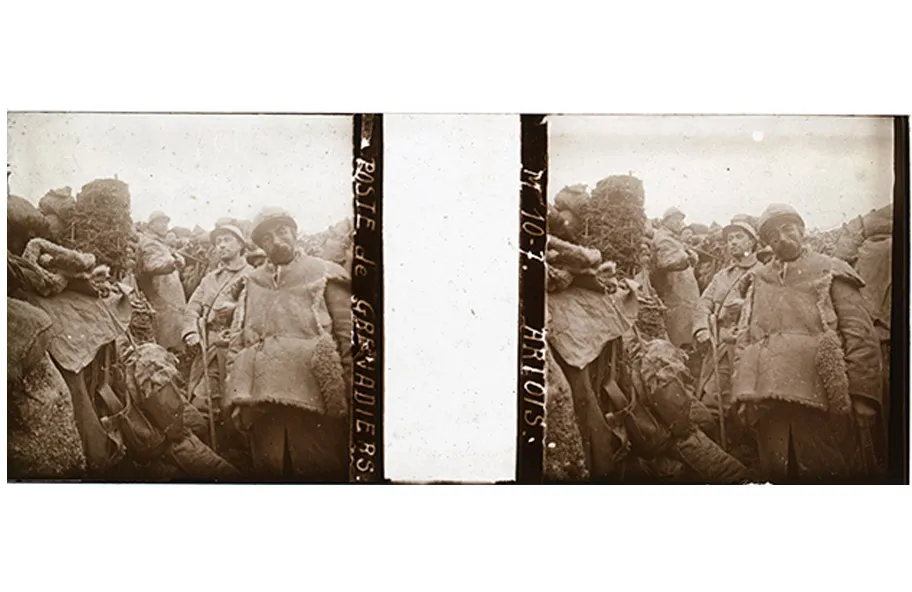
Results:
x,y
28,337
58,202
23,223
27,277
42,437
569,255
564,457
571,198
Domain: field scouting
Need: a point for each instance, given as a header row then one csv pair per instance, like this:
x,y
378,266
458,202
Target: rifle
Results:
x,y
204,346
208,387
714,336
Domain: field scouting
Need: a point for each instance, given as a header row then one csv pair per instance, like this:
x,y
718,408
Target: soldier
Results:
x,y
717,315
158,276
213,303
674,279
290,364
868,247
807,361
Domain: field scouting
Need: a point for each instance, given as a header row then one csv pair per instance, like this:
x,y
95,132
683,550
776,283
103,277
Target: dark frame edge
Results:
x,y
366,460
898,428
531,385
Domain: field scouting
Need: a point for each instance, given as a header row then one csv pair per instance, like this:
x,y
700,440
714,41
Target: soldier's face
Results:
x,y
159,226
739,243
228,247
785,240
279,244
674,223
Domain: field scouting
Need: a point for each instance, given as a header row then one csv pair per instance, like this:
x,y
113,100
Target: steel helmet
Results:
x,y
227,229
267,217
158,215
776,212
741,222
672,212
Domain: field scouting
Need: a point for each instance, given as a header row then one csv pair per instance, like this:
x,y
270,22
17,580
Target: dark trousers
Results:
x,y
802,445
291,444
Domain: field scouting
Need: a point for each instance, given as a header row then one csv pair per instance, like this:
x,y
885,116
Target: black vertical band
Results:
x,y
532,237
366,461
898,428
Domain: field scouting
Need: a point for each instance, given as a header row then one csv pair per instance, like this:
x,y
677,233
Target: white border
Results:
x,y
774,57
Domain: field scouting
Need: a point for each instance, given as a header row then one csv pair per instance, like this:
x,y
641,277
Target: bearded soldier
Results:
x,y
290,364
807,362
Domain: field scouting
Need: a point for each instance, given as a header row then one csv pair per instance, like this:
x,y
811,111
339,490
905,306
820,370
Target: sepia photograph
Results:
x,y
718,304
179,297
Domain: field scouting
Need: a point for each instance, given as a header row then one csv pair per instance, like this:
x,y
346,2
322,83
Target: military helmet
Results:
x,y
741,222
775,213
672,212
158,215
268,217
227,229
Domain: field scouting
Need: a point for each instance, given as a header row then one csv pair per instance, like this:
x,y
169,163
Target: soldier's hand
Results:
x,y
222,338
738,412
865,412
702,338
192,340
692,257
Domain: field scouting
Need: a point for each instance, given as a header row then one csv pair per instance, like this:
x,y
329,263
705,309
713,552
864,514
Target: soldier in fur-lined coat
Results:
x,y
807,361
158,275
289,366
674,279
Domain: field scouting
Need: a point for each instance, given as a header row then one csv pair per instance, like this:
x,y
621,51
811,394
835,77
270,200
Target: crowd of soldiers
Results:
x,y
269,341
791,345
264,329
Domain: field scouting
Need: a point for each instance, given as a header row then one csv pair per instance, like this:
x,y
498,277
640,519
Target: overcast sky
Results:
x,y
829,168
197,168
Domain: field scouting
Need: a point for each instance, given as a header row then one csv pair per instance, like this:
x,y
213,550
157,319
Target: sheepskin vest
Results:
x,y
288,354
789,349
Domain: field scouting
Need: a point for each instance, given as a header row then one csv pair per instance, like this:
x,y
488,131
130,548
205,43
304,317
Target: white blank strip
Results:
x,y
450,231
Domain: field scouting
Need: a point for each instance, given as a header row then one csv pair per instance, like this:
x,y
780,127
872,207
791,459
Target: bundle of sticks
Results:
x,y
571,264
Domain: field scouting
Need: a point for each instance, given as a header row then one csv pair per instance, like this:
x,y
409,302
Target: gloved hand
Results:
x,y
865,412
222,338
692,257
192,340
702,339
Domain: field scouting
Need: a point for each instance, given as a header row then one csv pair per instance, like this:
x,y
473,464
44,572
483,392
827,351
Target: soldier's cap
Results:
x,y
776,213
268,218
741,222
673,212
158,215
227,229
